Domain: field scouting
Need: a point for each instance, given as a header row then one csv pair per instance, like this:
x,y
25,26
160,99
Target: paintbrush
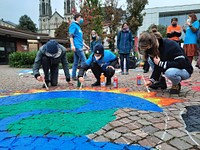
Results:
x,y
145,84
45,85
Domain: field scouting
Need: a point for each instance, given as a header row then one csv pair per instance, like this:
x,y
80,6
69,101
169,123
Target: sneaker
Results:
x,y
145,71
96,83
175,89
122,73
160,84
127,73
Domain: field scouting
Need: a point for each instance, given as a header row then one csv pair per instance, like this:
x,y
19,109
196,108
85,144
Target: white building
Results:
x,y
163,15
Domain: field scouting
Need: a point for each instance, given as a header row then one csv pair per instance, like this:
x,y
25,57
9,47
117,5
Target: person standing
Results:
x,y
190,41
124,45
174,31
76,41
95,40
49,56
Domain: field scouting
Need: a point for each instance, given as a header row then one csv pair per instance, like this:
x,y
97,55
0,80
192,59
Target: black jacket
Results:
x,y
171,56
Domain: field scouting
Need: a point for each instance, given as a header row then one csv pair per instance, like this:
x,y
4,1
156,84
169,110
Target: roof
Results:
x,y
16,33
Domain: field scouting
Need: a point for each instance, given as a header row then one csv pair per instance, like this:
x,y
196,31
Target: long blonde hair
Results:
x,y
147,38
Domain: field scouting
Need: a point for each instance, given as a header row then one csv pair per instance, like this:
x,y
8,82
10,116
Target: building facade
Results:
x,y
49,22
163,15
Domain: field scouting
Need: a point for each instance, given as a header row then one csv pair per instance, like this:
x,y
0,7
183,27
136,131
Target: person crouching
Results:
x,y
101,61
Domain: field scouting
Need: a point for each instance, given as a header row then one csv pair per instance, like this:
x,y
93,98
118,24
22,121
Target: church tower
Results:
x,y
69,10
45,13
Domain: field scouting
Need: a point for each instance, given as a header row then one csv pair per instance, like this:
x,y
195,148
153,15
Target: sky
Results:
x,y
12,10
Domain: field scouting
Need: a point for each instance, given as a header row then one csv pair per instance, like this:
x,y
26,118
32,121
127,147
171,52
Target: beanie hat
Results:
x,y
52,47
99,49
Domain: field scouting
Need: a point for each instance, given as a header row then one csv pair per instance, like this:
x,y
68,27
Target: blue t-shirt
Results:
x,y
76,32
191,37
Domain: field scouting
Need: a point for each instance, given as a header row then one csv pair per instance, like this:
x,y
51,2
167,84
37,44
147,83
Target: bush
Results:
x,y
22,59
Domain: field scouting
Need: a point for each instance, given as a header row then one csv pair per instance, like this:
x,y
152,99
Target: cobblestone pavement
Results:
x,y
176,128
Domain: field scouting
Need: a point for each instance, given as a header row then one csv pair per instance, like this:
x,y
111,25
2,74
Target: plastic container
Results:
x,y
115,82
139,77
102,80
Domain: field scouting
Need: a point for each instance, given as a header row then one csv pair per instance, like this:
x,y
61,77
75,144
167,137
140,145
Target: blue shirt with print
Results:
x,y
105,61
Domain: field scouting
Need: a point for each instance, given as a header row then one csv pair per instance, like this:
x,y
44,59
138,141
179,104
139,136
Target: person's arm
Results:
x,y
72,43
86,45
37,64
72,30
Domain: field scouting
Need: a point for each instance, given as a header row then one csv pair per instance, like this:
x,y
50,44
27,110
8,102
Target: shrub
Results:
x,y
22,59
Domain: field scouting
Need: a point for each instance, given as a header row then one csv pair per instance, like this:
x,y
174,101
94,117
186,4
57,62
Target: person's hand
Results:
x,y
73,48
87,47
148,83
40,79
110,67
156,60
81,79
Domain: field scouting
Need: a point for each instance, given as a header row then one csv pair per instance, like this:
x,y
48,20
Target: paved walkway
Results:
x,y
177,127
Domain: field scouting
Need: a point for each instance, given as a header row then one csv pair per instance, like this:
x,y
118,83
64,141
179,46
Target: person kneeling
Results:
x,y
101,61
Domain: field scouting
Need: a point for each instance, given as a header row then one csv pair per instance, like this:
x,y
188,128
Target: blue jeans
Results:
x,y
79,55
175,75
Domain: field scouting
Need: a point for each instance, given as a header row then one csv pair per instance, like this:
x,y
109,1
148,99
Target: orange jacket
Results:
x,y
174,35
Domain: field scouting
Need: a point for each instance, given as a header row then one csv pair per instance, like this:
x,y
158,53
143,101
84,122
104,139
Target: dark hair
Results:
x,y
77,15
193,17
174,19
124,24
147,38
153,28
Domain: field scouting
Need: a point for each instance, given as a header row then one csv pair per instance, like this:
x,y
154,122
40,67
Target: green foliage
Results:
x,y
112,17
22,59
62,31
92,14
135,8
25,23
161,28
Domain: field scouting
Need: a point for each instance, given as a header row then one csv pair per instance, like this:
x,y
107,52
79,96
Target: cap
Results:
x,y
99,49
52,47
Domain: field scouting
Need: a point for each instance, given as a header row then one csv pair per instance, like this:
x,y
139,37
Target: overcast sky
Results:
x,y
12,10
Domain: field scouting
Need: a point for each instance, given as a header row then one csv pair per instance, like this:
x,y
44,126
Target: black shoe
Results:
x,y
145,71
108,82
160,84
96,83
175,89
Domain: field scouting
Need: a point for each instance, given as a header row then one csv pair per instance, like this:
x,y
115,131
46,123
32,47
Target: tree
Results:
x,y
92,14
25,23
161,28
112,18
135,18
62,31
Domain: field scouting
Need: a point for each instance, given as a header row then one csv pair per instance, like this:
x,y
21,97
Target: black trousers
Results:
x,y
146,66
50,67
97,70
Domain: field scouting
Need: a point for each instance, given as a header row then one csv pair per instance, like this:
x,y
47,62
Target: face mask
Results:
x,y
81,21
149,51
174,24
97,58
